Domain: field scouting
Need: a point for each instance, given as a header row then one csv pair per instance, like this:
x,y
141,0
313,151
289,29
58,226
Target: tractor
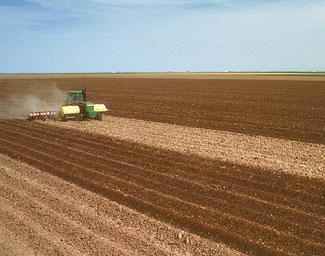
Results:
x,y
76,107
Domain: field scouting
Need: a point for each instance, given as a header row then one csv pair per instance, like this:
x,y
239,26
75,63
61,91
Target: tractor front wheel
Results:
x,y
99,116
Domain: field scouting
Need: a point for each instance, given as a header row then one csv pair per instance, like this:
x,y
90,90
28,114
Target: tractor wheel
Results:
x,y
63,119
79,117
99,116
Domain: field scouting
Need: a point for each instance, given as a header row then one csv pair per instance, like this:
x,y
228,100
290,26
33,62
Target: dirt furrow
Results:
x,y
262,178
11,245
184,184
88,220
302,188
95,213
200,197
159,158
130,188
218,234
82,178
63,226
136,190
125,148
262,152
123,243
29,230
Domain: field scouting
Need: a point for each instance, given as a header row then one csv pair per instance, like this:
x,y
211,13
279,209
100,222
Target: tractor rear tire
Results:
x,y
79,117
99,116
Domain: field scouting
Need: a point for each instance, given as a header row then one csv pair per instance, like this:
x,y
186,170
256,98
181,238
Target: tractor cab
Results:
x,y
76,97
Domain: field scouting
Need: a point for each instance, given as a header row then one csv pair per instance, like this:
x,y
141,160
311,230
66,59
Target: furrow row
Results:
x,y
213,173
87,181
160,156
301,185
299,223
173,205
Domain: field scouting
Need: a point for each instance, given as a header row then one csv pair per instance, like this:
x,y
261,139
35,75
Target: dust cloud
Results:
x,y
18,101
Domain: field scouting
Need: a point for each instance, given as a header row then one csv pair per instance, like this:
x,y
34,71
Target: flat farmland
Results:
x,y
284,109
290,108
184,165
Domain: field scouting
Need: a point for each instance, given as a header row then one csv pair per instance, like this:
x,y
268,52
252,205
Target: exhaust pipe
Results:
x,y
84,93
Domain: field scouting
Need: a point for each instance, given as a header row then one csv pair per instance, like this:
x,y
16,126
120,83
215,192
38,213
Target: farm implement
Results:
x,y
76,107
43,115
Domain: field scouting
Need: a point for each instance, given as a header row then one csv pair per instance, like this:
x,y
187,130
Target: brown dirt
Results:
x,y
252,210
295,157
287,109
44,215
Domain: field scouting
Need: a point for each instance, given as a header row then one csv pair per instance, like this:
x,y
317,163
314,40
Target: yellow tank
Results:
x,y
100,108
69,110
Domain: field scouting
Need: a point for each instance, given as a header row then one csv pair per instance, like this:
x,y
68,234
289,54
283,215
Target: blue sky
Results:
x,y
161,35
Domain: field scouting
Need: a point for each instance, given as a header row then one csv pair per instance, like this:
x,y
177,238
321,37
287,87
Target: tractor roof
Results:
x,y
75,92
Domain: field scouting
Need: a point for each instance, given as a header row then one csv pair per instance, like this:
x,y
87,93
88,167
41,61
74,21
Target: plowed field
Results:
x,y
207,192
289,108
263,212
45,215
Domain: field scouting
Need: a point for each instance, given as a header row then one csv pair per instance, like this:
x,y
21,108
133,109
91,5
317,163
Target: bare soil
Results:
x,y
241,164
254,211
45,215
301,158
286,109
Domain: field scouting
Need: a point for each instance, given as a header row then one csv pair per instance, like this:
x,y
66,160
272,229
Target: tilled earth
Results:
x,y
45,215
216,183
288,108
302,158
252,210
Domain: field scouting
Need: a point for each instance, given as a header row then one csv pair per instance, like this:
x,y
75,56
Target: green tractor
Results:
x,y
77,107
